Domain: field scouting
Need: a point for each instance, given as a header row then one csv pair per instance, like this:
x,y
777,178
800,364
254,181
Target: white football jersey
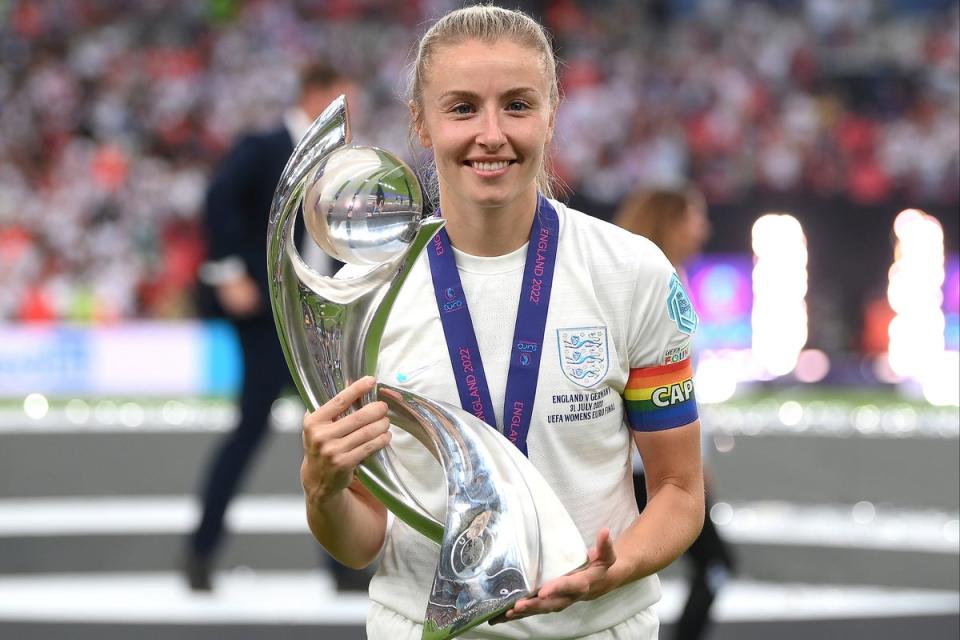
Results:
x,y
612,293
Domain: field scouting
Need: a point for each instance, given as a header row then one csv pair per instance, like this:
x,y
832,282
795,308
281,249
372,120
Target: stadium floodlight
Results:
x,y
779,316
917,348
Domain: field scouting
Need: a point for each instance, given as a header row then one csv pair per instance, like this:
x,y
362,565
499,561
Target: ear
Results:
x,y
417,119
550,124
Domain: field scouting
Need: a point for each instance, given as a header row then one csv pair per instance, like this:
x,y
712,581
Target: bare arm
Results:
x,y
674,513
668,525
343,516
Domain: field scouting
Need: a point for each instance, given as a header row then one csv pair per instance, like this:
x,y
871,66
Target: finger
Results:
x,y
352,458
604,552
316,426
363,435
537,606
326,438
365,415
338,404
596,553
506,616
573,586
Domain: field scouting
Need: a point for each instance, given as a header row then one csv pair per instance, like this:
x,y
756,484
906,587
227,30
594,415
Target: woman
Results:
x,y
676,221
483,100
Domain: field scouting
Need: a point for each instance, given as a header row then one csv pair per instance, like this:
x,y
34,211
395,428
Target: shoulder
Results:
x,y
269,139
257,158
600,241
278,136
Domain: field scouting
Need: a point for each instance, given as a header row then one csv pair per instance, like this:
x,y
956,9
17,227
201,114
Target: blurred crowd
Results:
x,y
112,116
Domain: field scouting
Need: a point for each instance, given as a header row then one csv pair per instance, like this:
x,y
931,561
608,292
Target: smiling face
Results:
x,y
487,116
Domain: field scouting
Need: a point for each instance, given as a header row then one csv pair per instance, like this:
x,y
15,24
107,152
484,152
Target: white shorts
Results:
x,y
384,624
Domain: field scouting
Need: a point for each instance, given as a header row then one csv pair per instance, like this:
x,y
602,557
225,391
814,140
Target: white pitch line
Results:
x,y
241,597
309,597
766,522
860,526
36,517
751,601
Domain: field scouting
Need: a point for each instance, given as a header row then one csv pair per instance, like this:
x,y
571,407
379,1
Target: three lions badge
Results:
x,y
584,356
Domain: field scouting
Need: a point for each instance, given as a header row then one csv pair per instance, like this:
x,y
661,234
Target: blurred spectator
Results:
x,y
113,114
236,220
676,221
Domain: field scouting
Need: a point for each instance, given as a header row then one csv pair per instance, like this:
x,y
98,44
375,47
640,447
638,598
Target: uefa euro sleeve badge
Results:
x,y
680,308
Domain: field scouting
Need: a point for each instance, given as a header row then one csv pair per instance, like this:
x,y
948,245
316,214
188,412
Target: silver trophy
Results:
x,y
505,531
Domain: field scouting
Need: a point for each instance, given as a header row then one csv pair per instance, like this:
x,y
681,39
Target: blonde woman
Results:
x,y
606,312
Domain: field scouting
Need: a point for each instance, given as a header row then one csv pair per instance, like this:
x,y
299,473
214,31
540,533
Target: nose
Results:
x,y
491,133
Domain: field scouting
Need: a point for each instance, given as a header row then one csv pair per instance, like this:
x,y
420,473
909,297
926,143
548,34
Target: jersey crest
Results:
x,y
680,308
584,354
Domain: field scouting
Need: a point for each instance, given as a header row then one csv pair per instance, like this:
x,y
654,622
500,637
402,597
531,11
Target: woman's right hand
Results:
x,y
334,444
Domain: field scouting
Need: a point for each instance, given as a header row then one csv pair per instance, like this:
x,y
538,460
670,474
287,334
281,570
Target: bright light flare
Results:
x,y
941,380
813,365
716,378
36,406
916,296
779,316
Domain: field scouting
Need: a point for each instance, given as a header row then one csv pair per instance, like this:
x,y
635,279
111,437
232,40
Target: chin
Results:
x,y
491,203
491,199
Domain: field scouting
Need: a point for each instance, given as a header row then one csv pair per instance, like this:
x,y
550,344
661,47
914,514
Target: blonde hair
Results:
x,y
488,24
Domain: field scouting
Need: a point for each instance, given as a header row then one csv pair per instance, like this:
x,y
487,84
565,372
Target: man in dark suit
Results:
x,y
237,210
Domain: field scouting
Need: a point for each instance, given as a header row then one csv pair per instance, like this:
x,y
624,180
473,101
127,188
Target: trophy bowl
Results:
x,y
362,205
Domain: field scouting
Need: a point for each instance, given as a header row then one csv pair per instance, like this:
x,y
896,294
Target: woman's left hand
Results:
x,y
592,581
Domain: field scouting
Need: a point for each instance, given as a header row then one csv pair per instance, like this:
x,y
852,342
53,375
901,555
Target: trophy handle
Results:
x,y
316,315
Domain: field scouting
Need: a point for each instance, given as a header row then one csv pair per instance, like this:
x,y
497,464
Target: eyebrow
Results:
x,y
461,93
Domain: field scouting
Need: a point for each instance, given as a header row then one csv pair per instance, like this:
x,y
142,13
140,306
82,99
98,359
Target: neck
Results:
x,y
490,231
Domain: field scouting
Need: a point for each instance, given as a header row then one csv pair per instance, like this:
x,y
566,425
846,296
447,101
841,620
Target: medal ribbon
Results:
x,y
527,345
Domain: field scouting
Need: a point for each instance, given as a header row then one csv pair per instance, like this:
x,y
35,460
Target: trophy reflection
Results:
x,y
505,532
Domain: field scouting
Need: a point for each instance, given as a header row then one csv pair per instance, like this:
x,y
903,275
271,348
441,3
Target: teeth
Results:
x,y
490,166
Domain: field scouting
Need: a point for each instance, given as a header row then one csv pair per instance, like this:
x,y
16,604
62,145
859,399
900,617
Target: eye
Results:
x,y
462,109
517,105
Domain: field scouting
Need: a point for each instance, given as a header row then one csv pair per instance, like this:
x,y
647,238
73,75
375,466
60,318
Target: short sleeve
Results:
x,y
659,391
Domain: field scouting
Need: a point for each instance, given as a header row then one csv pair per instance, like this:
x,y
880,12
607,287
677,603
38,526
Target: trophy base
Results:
x,y
500,511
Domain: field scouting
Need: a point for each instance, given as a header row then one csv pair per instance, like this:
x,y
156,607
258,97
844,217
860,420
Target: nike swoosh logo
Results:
x,y
405,376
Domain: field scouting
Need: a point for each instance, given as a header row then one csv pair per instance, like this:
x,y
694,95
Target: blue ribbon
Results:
x,y
528,333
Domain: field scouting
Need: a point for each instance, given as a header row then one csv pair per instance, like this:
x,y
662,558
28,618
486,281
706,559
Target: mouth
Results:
x,y
489,168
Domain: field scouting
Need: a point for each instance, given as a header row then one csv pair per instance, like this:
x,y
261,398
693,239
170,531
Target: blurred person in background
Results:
x,y
236,220
676,221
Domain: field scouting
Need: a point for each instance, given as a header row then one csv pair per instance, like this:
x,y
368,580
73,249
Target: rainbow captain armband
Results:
x,y
660,398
